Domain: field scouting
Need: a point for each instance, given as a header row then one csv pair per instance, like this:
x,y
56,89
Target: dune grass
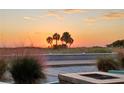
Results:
x,y
37,50
79,50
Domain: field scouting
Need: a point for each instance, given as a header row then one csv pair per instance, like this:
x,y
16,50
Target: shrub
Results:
x,y
105,64
3,67
27,71
121,59
63,46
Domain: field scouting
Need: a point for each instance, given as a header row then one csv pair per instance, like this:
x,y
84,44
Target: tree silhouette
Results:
x,y
66,40
56,37
65,37
71,40
49,40
118,43
62,40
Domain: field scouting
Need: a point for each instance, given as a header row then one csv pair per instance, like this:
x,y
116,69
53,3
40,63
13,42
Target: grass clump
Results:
x,y
107,63
27,71
121,59
3,68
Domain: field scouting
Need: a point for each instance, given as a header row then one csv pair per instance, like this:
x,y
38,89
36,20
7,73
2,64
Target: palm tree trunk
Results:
x,y
56,42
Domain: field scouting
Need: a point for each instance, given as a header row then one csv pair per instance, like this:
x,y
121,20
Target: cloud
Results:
x,y
55,14
90,20
73,11
114,15
28,18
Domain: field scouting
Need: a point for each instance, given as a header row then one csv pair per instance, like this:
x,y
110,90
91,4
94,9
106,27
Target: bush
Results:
x,y
27,71
105,64
3,67
63,46
121,59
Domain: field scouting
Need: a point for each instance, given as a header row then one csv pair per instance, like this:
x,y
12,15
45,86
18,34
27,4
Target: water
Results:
x,y
78,56
54,71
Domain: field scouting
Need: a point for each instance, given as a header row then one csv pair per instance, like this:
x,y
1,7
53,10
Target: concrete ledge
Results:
x,y
78,78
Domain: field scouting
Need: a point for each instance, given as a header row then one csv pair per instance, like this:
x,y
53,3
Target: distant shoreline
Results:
x,y
39,50
50,48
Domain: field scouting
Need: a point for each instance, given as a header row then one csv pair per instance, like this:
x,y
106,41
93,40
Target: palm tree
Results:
x,y
65,37
49,40
71,40
62,39
56,36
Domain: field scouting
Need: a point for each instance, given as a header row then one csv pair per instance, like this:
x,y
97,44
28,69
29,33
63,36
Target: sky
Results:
x,y
87,27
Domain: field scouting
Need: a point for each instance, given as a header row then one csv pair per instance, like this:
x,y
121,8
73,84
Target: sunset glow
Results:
x,y
87,27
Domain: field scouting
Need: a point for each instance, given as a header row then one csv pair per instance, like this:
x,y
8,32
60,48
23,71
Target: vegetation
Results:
x,y
3,68
27,71
38,50
77,50
50,40
66,37
107,63
66,40
121,59
56,37
118,43
98,50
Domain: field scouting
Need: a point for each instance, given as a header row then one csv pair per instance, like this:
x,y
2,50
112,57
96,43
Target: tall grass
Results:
x,y
107,63
79,50
27,70
3,68
121,58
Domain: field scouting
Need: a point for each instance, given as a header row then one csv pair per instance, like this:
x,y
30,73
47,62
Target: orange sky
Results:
x,y
87,27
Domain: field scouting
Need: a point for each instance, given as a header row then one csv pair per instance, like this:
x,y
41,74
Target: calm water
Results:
x,y
54,71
